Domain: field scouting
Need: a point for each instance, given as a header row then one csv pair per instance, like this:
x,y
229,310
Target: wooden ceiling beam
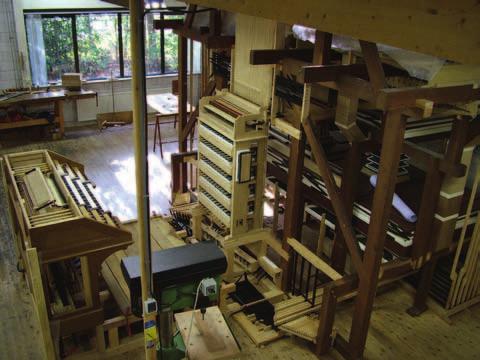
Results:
x,y
447,29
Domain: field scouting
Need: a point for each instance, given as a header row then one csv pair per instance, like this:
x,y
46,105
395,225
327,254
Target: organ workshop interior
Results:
x,y
208,179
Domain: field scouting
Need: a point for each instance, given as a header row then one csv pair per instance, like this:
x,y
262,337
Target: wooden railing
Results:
x,y
305,262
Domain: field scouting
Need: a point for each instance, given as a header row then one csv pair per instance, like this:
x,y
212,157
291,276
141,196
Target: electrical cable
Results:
x,y
193,313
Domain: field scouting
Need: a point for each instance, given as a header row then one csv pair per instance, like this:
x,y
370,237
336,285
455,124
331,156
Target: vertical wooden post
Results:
x,y
40,305
351,173
276,205
182,105
321,235
293,218
326,320
60,116
374,64
137,46
394,130
423,241
295,204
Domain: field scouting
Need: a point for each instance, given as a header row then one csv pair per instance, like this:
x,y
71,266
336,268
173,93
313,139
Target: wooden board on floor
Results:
x,y
210,337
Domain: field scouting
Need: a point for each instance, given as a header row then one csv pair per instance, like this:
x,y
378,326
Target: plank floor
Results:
x,y
108,158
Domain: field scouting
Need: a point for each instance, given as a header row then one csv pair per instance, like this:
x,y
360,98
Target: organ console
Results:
x,y
231,178
55,210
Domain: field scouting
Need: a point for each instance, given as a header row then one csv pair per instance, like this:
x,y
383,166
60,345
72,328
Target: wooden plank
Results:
x,y
327,317
394,130
212,341
39,302
334,194
113,340
349,187
389,99
251,82
210,331
374,64
447,31
182,107
257,334
285,127
321,73
322,48
274,56
314,259
293,217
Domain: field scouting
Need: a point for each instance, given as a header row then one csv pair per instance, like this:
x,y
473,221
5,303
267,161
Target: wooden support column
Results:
x,y
423,242
394,130
374,64
295,203
428,205
334,194
326,320
348,190
293,219
182,105
321,49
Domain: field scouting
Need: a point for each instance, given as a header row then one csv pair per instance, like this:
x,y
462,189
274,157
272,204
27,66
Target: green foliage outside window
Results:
x,y
98,46
57,37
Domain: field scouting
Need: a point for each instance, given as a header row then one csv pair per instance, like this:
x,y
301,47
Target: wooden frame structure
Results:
x,y
394,103
46,237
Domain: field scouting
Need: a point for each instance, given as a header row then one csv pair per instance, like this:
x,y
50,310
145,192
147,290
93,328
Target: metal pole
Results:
x,y
137,46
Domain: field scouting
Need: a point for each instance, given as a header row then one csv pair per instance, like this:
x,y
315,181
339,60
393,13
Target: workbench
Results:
x,y
56,98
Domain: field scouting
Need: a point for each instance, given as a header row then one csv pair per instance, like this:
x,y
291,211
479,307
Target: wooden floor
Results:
x,y
108,158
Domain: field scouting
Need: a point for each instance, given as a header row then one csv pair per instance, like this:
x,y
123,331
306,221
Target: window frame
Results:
x,y
72,15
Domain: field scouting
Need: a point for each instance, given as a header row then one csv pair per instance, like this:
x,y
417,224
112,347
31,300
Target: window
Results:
x,y
50,44
170,48
127,58
96,45
153,52
98,52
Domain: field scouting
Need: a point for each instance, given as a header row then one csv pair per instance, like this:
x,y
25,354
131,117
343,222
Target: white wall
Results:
x,y
86,110
10,75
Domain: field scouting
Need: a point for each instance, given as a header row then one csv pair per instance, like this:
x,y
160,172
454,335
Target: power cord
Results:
x,y
193,313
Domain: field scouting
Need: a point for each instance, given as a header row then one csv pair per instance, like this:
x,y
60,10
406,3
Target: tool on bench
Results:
x,y
183,277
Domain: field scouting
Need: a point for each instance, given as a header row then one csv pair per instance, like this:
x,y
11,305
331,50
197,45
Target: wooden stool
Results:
x,y
157,132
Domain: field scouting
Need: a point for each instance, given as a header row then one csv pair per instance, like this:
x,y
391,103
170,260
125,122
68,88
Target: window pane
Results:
x,y
50,46
152,47
171,48
98,46
127,57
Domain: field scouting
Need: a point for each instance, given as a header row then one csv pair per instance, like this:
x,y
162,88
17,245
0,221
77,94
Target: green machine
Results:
x,y
183,277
